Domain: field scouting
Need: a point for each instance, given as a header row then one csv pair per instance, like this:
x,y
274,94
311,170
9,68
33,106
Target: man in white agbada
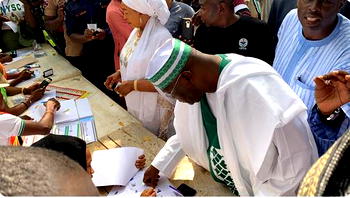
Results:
x,y
235,117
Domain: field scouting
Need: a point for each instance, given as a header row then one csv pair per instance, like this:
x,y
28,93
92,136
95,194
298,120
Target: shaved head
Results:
x,y
40,172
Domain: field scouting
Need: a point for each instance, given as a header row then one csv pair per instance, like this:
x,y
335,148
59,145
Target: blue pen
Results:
x,y
176,192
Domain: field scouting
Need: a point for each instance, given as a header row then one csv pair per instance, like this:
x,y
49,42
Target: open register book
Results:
x,y
74,118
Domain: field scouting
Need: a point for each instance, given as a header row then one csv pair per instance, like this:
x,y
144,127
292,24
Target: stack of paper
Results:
x,y
114,166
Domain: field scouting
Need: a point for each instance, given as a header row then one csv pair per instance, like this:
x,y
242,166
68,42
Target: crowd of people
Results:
x,y
263,106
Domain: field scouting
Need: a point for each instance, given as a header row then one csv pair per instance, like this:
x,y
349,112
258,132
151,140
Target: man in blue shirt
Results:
x,y
313,40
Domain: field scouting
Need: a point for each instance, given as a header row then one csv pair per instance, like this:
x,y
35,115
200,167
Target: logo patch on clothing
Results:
x,y
243,44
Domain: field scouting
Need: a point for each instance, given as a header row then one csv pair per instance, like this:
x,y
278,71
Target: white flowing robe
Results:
x,y
144,105
262,130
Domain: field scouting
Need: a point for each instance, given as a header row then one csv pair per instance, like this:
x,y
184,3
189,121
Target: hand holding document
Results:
x,y
114,166
135,187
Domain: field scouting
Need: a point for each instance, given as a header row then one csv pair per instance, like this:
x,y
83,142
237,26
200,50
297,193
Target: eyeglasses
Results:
x,y
171,95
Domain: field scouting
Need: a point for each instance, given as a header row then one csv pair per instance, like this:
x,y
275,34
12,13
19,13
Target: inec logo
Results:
x,y
243,43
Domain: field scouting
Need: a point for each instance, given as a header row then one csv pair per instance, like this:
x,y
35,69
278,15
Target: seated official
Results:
x,y
35,92
30,171
11,125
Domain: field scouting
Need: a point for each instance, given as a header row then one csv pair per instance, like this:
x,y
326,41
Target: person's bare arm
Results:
x,y
11,91
44,126
20,77
128,86
146,86
82,38
28,15
19,109
55,22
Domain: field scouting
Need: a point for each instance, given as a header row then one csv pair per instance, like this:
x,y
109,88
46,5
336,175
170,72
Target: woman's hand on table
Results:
x,y
113,79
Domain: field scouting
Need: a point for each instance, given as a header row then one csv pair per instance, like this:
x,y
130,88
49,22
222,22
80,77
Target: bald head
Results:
x,y
40,172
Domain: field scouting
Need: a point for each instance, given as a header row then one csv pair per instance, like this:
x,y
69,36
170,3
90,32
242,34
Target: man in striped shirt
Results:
x,y
313,40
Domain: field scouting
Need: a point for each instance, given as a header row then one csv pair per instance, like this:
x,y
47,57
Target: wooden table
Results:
x,y
117,128
61,67
186,172
109,116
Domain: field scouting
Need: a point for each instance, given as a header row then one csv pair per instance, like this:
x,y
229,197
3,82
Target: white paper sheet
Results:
x,y
114,166
135,187
12,25
83,107
67,113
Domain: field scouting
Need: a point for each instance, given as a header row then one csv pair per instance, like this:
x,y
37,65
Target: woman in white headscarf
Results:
x,y
142,99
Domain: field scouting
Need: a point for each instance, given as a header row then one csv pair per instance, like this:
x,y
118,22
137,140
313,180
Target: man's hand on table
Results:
x,y
113,79
149,192
332,91
140,163
151,176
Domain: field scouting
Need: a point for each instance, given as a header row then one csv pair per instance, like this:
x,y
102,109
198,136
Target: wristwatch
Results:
x,y
332,117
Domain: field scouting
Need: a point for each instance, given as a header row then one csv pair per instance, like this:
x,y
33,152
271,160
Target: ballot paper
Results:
x,y
114,166
135,187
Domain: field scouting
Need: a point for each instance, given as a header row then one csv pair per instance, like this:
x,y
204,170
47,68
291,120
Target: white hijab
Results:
x,y
143,105
154,8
